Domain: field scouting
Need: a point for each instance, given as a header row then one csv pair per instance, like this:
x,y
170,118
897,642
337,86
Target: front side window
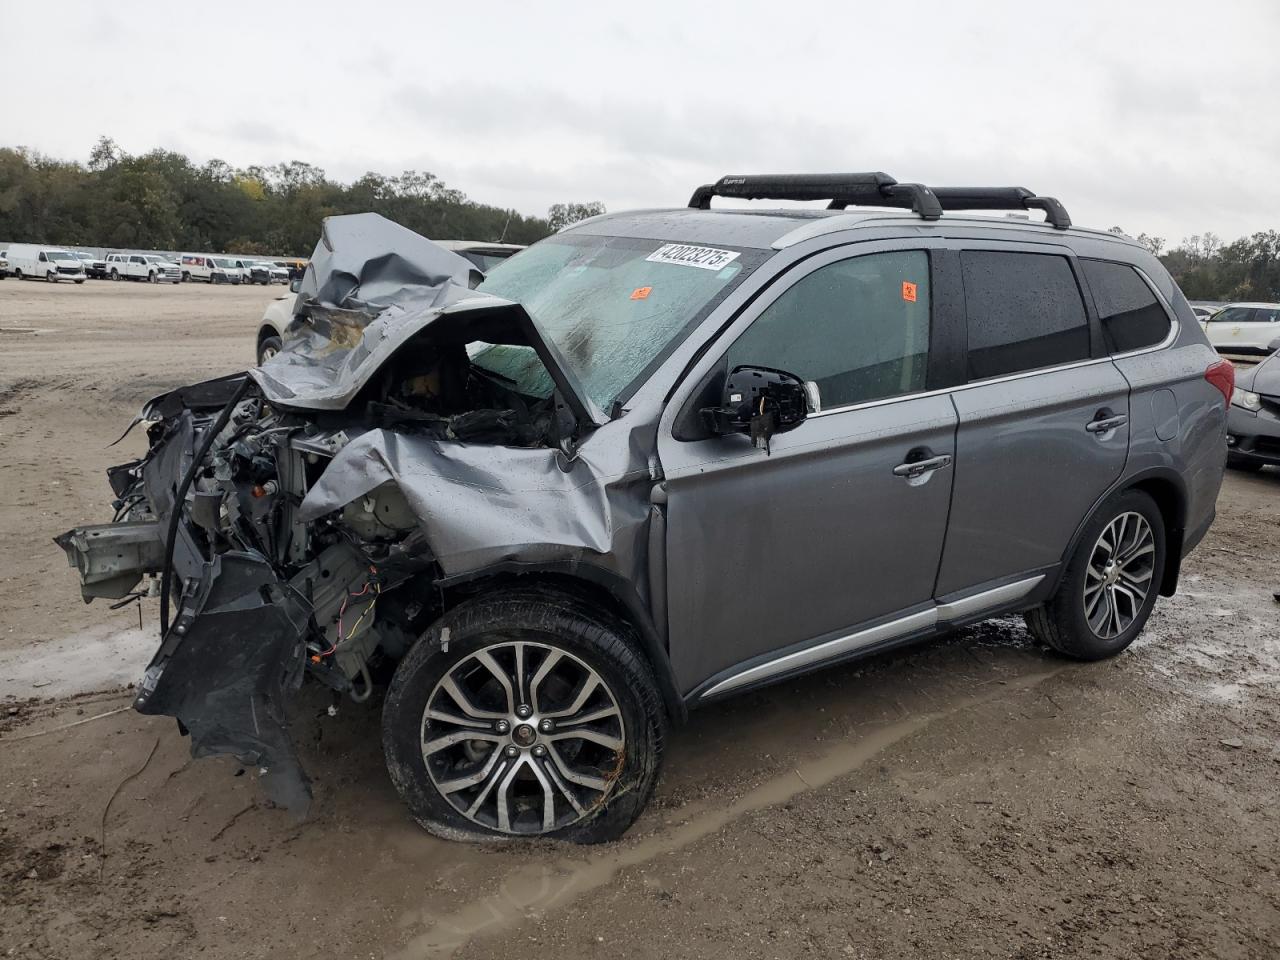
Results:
x,y
613,306
1231,315
1024,312
1131,315
857,328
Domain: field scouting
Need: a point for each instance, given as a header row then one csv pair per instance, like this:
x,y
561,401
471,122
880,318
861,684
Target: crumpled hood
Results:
x,y
371,286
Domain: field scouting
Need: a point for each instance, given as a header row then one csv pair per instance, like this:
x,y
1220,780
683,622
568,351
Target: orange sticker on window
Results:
x,y
908,291
639,293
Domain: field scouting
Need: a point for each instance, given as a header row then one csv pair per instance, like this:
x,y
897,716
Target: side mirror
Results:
x,y
295,285
759,401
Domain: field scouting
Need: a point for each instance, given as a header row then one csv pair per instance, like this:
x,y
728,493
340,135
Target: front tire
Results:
x,y
528,714
1111,582
115,274
268,348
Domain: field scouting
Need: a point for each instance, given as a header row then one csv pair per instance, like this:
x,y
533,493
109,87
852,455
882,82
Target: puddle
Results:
x,y
97,659
530,891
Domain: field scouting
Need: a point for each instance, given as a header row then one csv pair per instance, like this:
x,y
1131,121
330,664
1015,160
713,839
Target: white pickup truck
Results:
x,y
142,266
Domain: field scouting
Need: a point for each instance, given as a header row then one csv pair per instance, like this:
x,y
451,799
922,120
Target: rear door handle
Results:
x,y
1106,424
918,468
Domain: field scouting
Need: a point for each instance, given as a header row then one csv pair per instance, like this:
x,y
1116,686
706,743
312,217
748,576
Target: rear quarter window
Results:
x,y
1132,316
1024,312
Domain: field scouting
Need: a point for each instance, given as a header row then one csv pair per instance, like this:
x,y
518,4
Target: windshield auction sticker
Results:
x,y
681,254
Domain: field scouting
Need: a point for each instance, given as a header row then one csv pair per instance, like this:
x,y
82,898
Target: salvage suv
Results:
x,y
658,459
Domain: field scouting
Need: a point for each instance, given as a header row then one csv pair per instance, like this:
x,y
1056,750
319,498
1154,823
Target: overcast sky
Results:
x,y
1162,117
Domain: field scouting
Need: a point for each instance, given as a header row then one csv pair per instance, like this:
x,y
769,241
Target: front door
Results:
x,y
830,531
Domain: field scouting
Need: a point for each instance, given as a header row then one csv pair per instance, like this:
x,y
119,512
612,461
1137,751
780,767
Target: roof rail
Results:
x,y
878,190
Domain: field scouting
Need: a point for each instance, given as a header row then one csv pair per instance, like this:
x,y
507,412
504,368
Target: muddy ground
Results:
x,y
974,796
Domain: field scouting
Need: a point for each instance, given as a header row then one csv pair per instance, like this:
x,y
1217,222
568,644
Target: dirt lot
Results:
x,y
975,796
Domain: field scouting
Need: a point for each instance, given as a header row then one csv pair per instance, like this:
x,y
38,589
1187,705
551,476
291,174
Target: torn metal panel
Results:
x,y
479,504
233,653
372,286
113,557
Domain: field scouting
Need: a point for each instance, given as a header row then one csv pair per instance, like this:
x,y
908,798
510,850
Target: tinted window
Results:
x,y
858,328
1024,312
1266,315
1131,315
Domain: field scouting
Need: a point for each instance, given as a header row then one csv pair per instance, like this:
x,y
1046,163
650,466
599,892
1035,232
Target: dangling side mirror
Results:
x,y
760,401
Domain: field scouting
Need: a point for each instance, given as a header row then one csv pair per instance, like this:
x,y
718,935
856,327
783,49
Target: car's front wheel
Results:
x,y
1110,584
527,714
268,348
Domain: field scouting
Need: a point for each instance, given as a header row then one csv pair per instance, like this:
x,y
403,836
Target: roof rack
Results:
x,y
878,190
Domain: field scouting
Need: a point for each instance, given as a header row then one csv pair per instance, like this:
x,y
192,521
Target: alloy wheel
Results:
x,y
523,738
1119,575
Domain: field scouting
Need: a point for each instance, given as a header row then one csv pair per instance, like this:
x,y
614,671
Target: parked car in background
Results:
x,y
210,269
253,271
1253,423
4,265
142,266
33,261
1247,328
1203,313
279,313
95,268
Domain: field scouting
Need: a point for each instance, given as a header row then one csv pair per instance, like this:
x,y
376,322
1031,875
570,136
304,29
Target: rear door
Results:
x,y
829,531
1261,328
1227,328
1043,421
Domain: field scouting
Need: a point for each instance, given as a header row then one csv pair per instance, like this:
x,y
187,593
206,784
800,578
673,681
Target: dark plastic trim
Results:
x,y
878,190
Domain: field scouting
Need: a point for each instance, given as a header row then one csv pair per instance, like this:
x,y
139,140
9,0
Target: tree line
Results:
x,y
1208,269
161,200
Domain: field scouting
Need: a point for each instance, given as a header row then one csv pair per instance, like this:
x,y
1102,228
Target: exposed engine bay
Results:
x,y
271,566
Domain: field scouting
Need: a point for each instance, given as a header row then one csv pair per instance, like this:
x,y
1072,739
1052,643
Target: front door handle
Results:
x,y
915,469
1106,424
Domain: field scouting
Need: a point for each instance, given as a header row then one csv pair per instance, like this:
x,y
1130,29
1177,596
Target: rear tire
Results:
x,y
1096,611
501,780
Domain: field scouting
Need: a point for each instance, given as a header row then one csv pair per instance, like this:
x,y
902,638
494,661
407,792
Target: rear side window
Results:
x,y
858,328
1266,315
1024,312
1131,315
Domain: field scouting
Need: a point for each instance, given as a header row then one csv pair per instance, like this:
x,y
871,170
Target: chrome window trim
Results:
x,y
922,620
1164,344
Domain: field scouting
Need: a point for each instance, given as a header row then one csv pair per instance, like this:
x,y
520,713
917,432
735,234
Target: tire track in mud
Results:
x,y
530,892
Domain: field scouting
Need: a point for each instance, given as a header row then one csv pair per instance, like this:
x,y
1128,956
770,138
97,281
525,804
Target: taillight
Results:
x,y
1223,376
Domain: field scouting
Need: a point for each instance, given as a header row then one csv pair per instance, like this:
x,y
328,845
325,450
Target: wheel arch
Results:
x,y
585,583
264,332
1169,492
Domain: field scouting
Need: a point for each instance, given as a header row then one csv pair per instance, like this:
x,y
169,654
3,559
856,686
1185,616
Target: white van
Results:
x,y
33,261
202,266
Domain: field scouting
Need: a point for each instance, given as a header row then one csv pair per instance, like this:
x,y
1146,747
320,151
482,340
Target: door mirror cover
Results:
x,y
759,401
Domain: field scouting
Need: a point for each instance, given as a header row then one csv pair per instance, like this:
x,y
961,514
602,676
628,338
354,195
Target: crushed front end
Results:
x,y
270,515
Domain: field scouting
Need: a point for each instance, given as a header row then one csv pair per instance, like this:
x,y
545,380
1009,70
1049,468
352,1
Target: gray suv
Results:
x,y
658,459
